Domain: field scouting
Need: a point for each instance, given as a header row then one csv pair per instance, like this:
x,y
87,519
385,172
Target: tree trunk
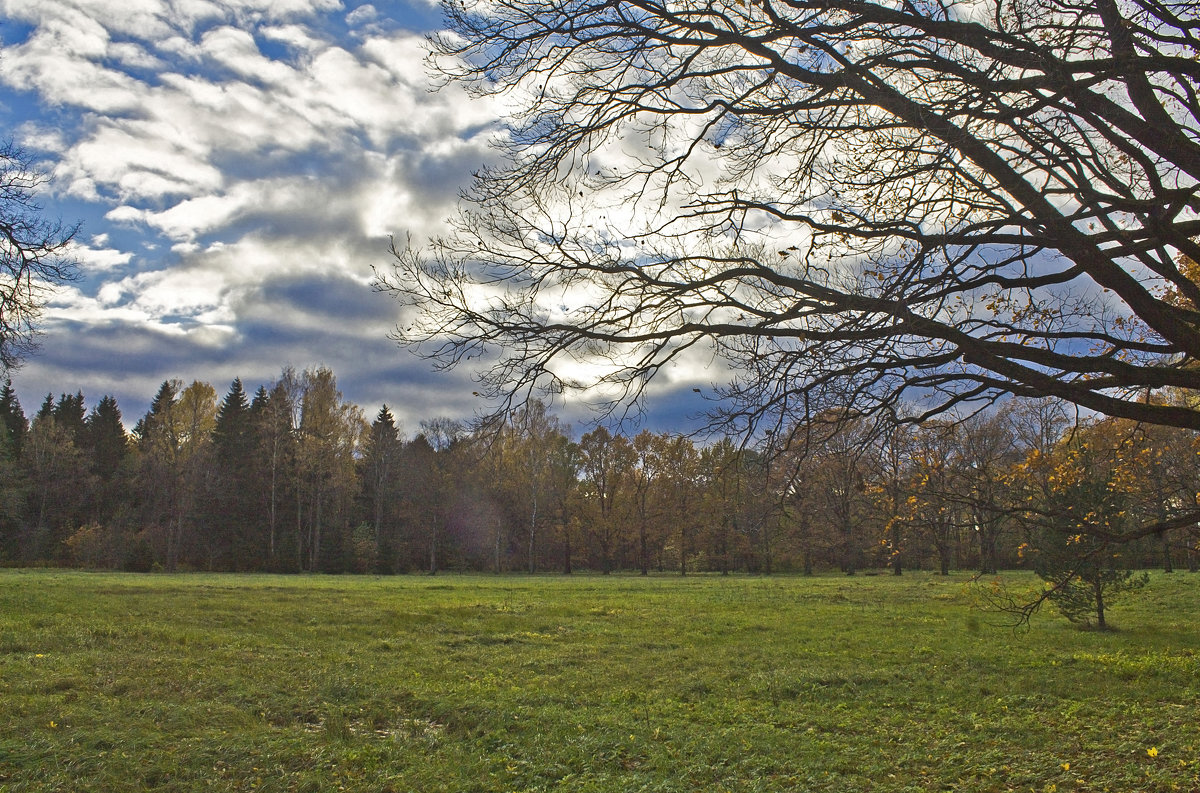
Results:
x,y
1168,564
1099,591
682,549
532,531
897,562
644,549
433,564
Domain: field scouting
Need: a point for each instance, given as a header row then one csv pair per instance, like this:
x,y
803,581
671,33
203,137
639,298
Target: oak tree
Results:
x,y
34,254
929,203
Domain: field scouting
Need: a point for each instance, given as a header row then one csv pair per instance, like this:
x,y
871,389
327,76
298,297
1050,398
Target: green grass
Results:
x,y
221,683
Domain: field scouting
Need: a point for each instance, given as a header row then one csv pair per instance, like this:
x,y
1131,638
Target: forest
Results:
x,y
293,478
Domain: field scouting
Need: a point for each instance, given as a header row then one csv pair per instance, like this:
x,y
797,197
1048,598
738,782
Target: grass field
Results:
x,y
214,683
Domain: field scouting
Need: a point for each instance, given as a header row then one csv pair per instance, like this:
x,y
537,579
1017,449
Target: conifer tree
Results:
x,y
105,436
233,497
107,443
15,426
380,467
72,416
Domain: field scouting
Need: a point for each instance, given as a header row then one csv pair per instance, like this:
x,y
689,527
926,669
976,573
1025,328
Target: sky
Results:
x,y
238,168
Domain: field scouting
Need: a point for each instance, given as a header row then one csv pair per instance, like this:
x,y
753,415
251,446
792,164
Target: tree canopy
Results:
x,y
880,204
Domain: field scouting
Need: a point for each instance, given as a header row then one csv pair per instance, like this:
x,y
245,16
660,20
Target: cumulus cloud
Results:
x,y
240,164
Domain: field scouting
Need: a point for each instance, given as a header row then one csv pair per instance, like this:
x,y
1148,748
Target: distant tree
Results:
x,y
434,459
105,436
893,475
175,441
563,461
839,448
233,497
679,482
107,445
537,432
646,504
34,254
935,506
725,492
58,478
606,467
15,425
329,433
380,467
12,499
987,451
71,414
274,421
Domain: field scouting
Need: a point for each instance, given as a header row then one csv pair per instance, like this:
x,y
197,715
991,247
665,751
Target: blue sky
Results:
x,y
238,167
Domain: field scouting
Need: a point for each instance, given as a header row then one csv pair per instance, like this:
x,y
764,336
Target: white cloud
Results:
x,y
296,36
242,171
98,259
363,14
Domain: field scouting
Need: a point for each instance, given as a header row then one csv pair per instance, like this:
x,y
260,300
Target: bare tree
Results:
x,y
33,254
940,202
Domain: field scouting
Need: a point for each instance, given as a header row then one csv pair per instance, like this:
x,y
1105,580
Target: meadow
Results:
x,y
115,682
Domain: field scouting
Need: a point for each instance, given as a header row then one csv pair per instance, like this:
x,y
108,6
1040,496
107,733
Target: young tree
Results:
x,y
1091,484
935,506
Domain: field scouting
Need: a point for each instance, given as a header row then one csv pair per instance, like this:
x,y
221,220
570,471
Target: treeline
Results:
x,y
293,478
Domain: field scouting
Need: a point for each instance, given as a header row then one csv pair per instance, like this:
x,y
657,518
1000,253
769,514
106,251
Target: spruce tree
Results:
x,y
71,415
380,466
47,408
15,426
104,435
234,441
